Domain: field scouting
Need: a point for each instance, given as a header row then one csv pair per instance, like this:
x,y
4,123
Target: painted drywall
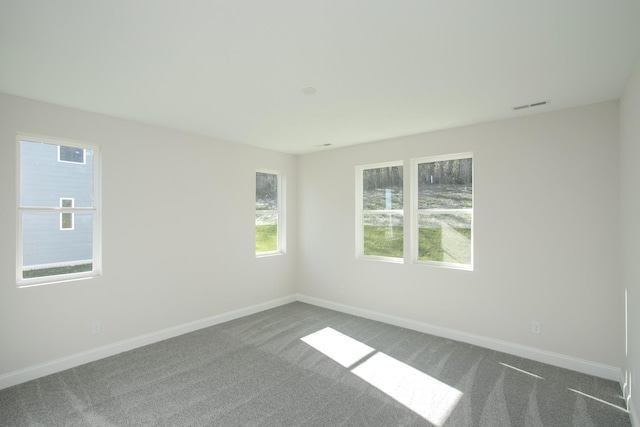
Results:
x,y
178,236
630,232
545,230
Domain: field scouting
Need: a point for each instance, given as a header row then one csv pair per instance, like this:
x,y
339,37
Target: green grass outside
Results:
x,y
379,241
266,238
56,271
383,241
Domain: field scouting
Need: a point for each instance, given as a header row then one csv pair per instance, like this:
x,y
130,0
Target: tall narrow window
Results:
x,y
380,212
443,210
269,220
58,211
66,218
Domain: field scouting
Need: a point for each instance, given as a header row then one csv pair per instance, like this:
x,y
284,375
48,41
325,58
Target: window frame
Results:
x,y
280,213
415,211
361,212
95,210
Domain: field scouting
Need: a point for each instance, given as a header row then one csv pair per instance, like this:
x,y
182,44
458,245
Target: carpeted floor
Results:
x,y
301,365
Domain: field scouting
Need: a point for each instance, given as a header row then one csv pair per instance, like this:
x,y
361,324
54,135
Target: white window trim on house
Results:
x,y
280,214
415,212
84,155
96,210
64,212
360,212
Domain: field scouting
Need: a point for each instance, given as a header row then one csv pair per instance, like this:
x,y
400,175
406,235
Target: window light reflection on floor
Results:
x,y
423,394
600,400
522,371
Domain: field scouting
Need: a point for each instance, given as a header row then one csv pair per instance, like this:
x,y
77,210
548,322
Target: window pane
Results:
x,y
48,251
382,188
266,232
266,191
445,185
44,180
445,237
383,235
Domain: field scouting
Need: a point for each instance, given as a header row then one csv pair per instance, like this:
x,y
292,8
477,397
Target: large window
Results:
x,y
58,211
269,221
438,226
380,212
442,202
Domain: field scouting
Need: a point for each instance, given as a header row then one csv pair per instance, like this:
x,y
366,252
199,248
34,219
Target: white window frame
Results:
x,y
84,155
96,210
67,212
280,213
415,212
360,212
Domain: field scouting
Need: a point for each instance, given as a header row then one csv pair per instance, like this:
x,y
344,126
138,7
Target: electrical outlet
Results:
x,y
96,327
535,327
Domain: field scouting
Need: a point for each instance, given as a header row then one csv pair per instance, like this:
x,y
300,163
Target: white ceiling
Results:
x,y
382,68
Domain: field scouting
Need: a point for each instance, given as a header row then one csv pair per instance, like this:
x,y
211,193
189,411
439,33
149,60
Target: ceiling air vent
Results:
x,y
535,104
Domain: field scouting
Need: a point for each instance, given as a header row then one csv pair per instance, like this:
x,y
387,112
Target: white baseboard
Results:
x,y
51,367
555,359
568,362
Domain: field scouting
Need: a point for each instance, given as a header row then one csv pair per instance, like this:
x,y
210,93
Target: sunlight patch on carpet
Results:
x,y
426,396
340,347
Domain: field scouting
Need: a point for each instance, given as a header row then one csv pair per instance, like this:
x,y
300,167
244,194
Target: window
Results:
x,y
58,231
443,210
70,154
269,223
66,218
380,212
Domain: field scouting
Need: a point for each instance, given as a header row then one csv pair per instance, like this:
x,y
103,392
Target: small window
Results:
x,y
71,154
58,211
269,217
443,210
380,212
66,218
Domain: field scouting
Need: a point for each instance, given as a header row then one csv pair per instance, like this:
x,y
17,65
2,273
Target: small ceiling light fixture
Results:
x,y
535,104
309,90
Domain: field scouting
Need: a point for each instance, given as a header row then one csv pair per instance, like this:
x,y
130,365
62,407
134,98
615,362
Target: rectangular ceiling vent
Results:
x,y
535,104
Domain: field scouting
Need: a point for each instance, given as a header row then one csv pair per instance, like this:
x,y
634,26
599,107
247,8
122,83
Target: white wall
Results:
x,y
630,229
546,234
178,236
546,242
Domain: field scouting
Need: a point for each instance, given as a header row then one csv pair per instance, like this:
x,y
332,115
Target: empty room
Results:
x,y
331,213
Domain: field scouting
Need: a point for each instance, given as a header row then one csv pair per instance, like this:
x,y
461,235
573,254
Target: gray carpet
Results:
x,y
257,371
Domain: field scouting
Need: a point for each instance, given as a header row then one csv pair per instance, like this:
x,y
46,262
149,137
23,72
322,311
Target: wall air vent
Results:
x,y
535,104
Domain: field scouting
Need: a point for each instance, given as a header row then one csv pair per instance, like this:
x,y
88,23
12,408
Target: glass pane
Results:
x,y
445,185
48,251
44,179
66,203
445,237
382,188
383,235
266,191
266,232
